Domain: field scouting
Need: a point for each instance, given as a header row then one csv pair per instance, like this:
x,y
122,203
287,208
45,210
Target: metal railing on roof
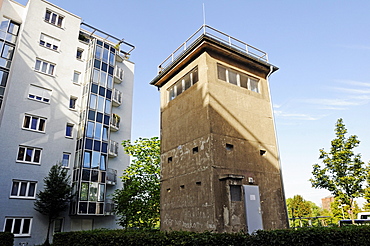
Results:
x,y
107,37
218,35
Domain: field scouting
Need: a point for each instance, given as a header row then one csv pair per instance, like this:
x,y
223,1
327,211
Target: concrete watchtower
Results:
x,y
220,162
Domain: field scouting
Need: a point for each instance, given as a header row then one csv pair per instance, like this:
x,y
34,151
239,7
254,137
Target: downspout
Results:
x,y
277,145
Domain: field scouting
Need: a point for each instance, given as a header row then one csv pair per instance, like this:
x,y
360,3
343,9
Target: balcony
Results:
x,y
109,207
114,122
117,98
118,75
111,176
113,148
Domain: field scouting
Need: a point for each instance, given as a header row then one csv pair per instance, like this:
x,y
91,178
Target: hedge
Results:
x,y
6,239
350,235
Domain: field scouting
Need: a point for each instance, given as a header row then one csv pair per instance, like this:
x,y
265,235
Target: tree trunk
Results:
x,y
47,243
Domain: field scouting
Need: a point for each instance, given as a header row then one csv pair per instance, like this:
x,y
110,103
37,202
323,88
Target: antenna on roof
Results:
x,y
204,15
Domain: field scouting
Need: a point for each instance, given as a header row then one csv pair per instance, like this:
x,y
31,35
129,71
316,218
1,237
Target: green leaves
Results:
x,y
138,201
342,172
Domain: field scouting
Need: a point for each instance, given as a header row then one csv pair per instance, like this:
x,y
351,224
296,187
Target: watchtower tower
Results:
x,y
220,166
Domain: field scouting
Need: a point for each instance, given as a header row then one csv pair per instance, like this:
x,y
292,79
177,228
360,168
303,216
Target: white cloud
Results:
x,y
281,114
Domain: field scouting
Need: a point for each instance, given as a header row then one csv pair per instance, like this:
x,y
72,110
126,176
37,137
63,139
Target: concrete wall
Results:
x,y
210,115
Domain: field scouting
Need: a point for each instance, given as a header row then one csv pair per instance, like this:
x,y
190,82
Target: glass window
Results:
x,y
100,104
98,130
111,58
103,78
84,191
34,123
105,133
233,78
93,194
237,78
93,101
69,130
103,162
7,52
183,84
90,129
105,55
254,85
107,106
23,189
98,52
79,54
95,76
20,227
72,102
29,154
49,42
44,67
101,192
87,159
76,77
39,93
3,78
65,160
95,159
54,18
110,82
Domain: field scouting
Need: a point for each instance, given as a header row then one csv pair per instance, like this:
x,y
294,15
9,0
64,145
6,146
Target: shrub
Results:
x,y
6,239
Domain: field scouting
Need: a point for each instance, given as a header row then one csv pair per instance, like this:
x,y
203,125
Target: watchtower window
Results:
x,y
235,193
237,78
183,84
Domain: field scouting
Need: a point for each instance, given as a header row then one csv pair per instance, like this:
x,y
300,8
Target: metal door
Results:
x,y
252,208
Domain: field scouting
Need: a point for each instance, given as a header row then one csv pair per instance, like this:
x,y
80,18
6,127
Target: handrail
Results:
x,y
221,36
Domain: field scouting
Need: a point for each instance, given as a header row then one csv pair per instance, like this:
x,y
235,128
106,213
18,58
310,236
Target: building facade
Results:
x,y
65,97
220,166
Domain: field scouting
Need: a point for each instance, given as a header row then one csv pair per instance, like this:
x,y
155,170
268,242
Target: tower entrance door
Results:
x,y
252,208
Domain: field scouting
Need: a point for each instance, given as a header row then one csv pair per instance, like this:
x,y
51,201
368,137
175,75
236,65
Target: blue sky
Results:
x,y
321,47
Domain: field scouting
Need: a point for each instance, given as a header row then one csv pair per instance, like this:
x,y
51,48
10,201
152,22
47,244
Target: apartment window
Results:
x,y
235,77
44,67
9,30
23,189
76,77
79,54
39,93
65,160
58,225
35,123
49,42
183,84
54,18
69,130
72,102
29,155
20,227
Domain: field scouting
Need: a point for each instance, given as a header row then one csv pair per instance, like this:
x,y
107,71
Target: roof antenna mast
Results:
x,y
204,15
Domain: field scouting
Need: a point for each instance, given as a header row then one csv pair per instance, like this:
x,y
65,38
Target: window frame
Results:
x,y
27,191
74,105
69,159
79,54
59,19
78,77
44,98
239,76
54,42
193,78
38,121
21,234
33,155
40,64
69,130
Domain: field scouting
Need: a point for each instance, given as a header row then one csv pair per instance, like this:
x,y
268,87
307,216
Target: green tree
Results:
x,y
343,173
137,203
53,200
297,209
366,206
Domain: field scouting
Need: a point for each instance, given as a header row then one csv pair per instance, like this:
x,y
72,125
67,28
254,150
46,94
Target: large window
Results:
x,y
20,227
183,84
39,93
54,18
49,42
44,67
235,77
35,123
9,30
29,155
65,160
23,189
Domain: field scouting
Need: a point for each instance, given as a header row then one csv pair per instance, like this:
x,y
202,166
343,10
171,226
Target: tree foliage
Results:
x,y
137,203
342,173
53,200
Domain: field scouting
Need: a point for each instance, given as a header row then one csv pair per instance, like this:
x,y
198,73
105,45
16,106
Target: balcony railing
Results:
x,y
111,176
113,148
218,35
114,122
109,207
118,74
117,97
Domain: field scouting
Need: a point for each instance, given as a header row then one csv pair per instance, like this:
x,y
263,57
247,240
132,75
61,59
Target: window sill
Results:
x,y
53,24
68,137
73,109
23,198
57,51
50,75
76,83
31,130
29,163
79,59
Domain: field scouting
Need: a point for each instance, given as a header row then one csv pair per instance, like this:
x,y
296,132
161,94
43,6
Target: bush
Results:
x,y
350,235
6,239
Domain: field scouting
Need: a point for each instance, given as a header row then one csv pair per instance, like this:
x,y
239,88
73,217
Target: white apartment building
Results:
x,y
65,97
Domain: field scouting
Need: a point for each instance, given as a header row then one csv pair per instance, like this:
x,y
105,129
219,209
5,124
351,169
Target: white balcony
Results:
x,y
118,75
111,176
114,122
117,98
113,148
